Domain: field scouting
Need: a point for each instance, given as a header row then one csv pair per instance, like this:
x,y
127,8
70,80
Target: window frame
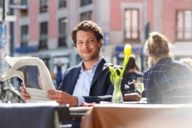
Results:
x,y
24,35
131,29
43,6
62,32
88,15
62,4
85,2
43,40
182,30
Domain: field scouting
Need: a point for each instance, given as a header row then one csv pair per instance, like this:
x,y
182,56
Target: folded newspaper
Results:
x,y
33,73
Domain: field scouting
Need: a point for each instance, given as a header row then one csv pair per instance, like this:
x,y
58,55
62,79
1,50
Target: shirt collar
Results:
x,y
163,60
93,67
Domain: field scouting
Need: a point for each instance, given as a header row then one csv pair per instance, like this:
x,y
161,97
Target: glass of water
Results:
x,y
139,84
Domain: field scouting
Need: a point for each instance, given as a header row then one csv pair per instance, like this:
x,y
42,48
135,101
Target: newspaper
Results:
x,y
33,73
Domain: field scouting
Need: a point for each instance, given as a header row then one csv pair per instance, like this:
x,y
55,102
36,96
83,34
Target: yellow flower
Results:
x,y
117,74
127,50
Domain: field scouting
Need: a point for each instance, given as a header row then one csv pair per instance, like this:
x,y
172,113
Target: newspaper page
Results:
x,y
33,73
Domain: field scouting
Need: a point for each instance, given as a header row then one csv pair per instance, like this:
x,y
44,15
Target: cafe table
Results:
x,y
138,116
32,115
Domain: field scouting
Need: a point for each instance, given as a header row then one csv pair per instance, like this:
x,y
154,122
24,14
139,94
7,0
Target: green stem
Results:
x,y
126,59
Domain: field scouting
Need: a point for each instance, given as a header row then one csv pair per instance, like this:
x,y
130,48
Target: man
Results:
x,y
88,81
166,81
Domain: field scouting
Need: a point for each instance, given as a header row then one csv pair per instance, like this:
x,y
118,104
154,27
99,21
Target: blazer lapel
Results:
x,y
98,71
74,79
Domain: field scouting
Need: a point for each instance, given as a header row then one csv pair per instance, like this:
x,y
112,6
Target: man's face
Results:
x,y
87,45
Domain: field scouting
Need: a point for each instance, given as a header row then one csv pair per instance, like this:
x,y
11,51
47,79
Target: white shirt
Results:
x,y
83,85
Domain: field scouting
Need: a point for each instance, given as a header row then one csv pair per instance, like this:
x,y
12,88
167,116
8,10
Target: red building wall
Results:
x,y
169,15
53,20
33,23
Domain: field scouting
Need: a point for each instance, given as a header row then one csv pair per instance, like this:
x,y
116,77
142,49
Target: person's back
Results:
x,y
169,82
166,81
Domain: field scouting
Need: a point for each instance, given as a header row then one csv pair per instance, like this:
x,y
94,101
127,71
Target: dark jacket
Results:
x,y
128,81
101,85
167,82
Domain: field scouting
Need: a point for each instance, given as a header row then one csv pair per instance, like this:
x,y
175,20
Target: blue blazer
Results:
x,y
101,86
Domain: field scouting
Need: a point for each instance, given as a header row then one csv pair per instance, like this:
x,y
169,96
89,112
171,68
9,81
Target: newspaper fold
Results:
x,y
33,73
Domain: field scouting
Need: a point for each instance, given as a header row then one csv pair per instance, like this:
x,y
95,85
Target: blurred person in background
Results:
x,y
132,72
166,81
59,73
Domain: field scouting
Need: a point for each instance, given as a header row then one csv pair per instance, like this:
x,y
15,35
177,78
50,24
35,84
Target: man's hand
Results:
x,y
24,94
62,97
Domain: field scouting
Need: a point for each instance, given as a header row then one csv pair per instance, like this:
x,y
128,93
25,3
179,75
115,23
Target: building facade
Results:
x,y
43,27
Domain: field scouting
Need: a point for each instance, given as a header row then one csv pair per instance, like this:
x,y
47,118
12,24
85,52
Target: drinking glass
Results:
x,y
139,84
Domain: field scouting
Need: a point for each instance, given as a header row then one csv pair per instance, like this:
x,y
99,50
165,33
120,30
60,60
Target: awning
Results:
x,y
26,49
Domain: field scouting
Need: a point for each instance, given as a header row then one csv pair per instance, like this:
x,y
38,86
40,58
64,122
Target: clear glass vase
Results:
x,y
117,96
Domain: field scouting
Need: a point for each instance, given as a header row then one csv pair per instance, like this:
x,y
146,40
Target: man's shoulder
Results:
x,y
73,69
104,64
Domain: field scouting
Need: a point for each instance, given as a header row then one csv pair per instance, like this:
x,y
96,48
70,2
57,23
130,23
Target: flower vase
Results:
x,y
117,96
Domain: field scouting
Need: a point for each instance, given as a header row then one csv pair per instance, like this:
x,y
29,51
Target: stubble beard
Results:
x,y
90,58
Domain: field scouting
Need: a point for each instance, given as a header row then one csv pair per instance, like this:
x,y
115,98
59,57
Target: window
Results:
x,y
85,2
24,10
132,31
43,6
62,3
43,35
86,16
24,35
184,25
24,2
62,31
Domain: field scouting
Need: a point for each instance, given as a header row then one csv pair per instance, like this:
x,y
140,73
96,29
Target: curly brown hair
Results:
x,y
88,26
157,45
